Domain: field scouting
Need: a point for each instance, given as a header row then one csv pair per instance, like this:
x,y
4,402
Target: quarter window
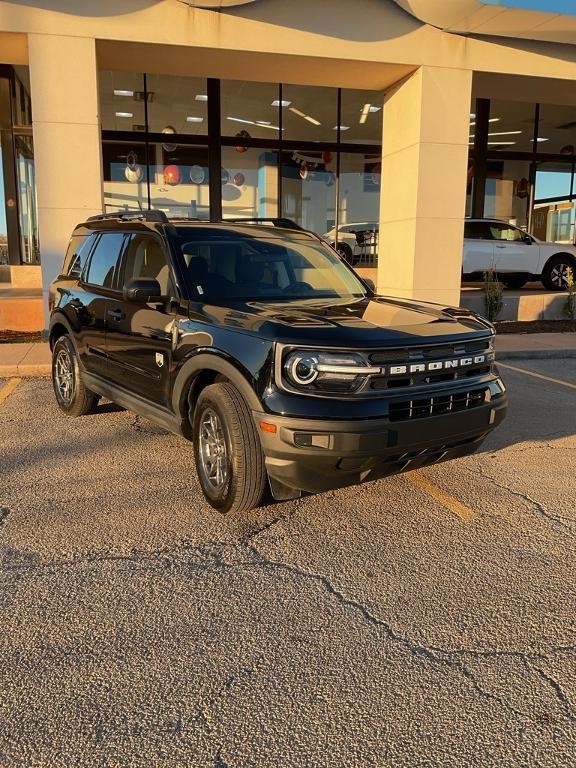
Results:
x,y
77,254
104,259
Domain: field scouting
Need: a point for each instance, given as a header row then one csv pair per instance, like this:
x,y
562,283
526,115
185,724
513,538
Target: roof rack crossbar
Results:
x,y
151,215
274,220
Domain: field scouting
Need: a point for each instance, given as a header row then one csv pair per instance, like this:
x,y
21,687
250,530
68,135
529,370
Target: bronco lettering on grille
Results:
x,y
437,365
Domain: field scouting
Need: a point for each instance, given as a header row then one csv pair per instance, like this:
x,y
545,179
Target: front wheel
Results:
x,y
227,450
556,271
71,395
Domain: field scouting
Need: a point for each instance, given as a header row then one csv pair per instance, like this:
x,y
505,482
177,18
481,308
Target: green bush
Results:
x,y
570,304
492,294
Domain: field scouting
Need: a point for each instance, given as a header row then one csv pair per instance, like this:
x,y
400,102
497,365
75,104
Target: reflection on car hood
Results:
x,y
364,321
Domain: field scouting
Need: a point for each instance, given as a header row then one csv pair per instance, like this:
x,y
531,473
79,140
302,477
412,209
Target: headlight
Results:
x,y
326,371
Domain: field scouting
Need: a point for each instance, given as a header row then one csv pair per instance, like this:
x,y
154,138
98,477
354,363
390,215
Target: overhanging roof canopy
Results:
x,y
549,20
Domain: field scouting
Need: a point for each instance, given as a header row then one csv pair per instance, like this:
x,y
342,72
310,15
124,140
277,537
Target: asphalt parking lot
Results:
x,y
421,620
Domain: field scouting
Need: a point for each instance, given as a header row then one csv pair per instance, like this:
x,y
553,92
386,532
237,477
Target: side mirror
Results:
x,y
528,239
142,290
369,284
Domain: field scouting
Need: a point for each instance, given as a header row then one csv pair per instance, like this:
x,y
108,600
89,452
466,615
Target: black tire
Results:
x,y
78,400
346,252
555,273
242,480
514,283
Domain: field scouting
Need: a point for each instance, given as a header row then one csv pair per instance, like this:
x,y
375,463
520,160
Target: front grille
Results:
x,y
435,406
412,358
432,352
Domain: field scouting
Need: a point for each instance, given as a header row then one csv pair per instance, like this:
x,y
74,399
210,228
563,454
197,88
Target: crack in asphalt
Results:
x,y
212,554
431,653
557,690
564,522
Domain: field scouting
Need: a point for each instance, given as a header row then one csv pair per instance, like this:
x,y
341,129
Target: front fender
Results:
x,y
212,361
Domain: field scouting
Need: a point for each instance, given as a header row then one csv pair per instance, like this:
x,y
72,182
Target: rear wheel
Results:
x,y
514,283
71,395
555,274
346,252
227,450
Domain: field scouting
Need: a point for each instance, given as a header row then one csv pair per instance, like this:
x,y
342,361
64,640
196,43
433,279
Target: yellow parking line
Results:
x,y
452,504
8,388
537,375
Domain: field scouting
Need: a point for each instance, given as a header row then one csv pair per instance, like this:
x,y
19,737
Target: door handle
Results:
x,y
117,314
500,246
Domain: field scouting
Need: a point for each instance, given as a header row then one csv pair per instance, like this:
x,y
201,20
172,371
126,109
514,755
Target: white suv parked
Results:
x,y
348,245
516,256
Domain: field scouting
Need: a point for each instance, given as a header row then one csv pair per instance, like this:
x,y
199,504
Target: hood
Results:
x,y
365,322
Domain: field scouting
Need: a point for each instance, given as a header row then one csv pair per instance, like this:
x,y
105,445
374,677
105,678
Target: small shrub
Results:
x,y
492,294
570,304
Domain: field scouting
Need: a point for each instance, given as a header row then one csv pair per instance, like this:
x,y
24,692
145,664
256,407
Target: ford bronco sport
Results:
x,y
261,345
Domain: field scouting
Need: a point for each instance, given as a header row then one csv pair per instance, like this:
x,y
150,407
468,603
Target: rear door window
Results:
x,y
105,259
477,230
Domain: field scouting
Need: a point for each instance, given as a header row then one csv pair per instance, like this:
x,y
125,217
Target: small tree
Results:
x,y
492,294
570,304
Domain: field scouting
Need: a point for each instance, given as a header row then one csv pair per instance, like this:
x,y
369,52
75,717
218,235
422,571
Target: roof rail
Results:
x,y
151,215
274,221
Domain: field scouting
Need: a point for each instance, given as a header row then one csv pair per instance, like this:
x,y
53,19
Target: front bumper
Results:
x,y
315,456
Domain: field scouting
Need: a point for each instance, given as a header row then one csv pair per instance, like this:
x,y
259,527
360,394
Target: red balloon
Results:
x,y
327,157
172,175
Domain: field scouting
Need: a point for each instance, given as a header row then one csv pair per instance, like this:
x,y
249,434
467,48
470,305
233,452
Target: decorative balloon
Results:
x,y
239,179
242,135
133,171
169,147
327,157
172,175
225,177
197,174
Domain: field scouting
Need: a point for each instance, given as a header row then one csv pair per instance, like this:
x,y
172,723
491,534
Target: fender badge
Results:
x,y
159,359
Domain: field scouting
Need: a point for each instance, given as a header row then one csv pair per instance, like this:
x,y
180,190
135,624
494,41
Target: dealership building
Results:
x,y
402,115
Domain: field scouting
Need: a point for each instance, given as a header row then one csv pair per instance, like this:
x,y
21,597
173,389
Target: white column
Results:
x,y
424,175
67,151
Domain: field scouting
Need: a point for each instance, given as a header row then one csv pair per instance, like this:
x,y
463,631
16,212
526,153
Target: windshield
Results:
x,y
222,264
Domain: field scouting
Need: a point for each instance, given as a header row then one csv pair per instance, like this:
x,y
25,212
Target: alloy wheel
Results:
x,y
213,451
559,275
64,376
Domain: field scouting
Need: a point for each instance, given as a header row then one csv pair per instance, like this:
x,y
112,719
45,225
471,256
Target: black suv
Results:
x,y
261,345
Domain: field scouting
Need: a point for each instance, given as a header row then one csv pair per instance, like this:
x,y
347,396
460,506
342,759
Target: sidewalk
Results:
x,y
34,359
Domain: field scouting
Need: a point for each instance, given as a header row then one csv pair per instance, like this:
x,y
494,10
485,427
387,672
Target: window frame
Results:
x,y
114,288
121,270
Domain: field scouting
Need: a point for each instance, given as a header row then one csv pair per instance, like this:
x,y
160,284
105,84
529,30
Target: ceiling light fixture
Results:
x,y
365,112
241,120
283,103
374,108
119,92
124,114
259,123
505,133
201,97
500,143
305,116
194,119
341,127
